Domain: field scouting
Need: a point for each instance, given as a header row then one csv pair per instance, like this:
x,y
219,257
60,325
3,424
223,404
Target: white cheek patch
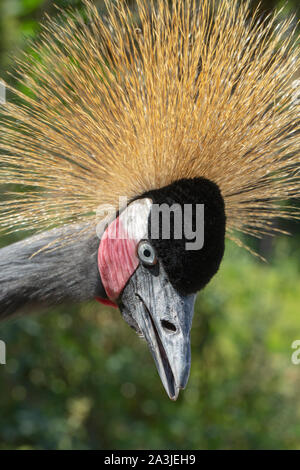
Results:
x,y
134,219
117,255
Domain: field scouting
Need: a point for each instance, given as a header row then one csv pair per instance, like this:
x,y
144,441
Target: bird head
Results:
x,y
189,111
153,258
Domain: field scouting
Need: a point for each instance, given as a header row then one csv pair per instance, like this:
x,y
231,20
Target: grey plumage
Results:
x,y
63,272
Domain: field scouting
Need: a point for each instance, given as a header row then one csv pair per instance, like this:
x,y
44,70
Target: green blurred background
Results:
x,y
78,378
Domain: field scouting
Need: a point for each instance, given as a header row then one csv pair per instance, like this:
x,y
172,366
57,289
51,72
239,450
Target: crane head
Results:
x,y
154,257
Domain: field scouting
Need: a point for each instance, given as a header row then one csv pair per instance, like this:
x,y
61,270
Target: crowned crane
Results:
x,y
187,109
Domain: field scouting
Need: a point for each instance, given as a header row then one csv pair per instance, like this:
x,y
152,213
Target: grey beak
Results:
x,y
154,308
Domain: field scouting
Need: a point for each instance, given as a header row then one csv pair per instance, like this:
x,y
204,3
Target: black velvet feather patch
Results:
x,y
189,270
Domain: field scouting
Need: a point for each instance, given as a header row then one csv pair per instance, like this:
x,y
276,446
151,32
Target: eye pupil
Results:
x,y
146,253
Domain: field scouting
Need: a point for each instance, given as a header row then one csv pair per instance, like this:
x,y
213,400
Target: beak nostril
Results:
x,y
168,326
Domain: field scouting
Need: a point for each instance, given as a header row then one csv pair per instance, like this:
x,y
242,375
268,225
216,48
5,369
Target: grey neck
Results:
x,y
66,271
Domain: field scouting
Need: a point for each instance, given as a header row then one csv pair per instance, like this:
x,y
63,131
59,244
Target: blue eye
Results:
x,y
146,253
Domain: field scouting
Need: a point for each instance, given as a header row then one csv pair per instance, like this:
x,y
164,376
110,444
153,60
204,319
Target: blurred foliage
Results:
x,y
78,377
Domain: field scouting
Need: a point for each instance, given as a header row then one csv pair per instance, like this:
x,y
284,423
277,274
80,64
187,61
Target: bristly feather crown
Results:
x,y
121,105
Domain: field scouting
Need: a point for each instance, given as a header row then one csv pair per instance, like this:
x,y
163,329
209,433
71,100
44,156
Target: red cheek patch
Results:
x,y
117,258
108,302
